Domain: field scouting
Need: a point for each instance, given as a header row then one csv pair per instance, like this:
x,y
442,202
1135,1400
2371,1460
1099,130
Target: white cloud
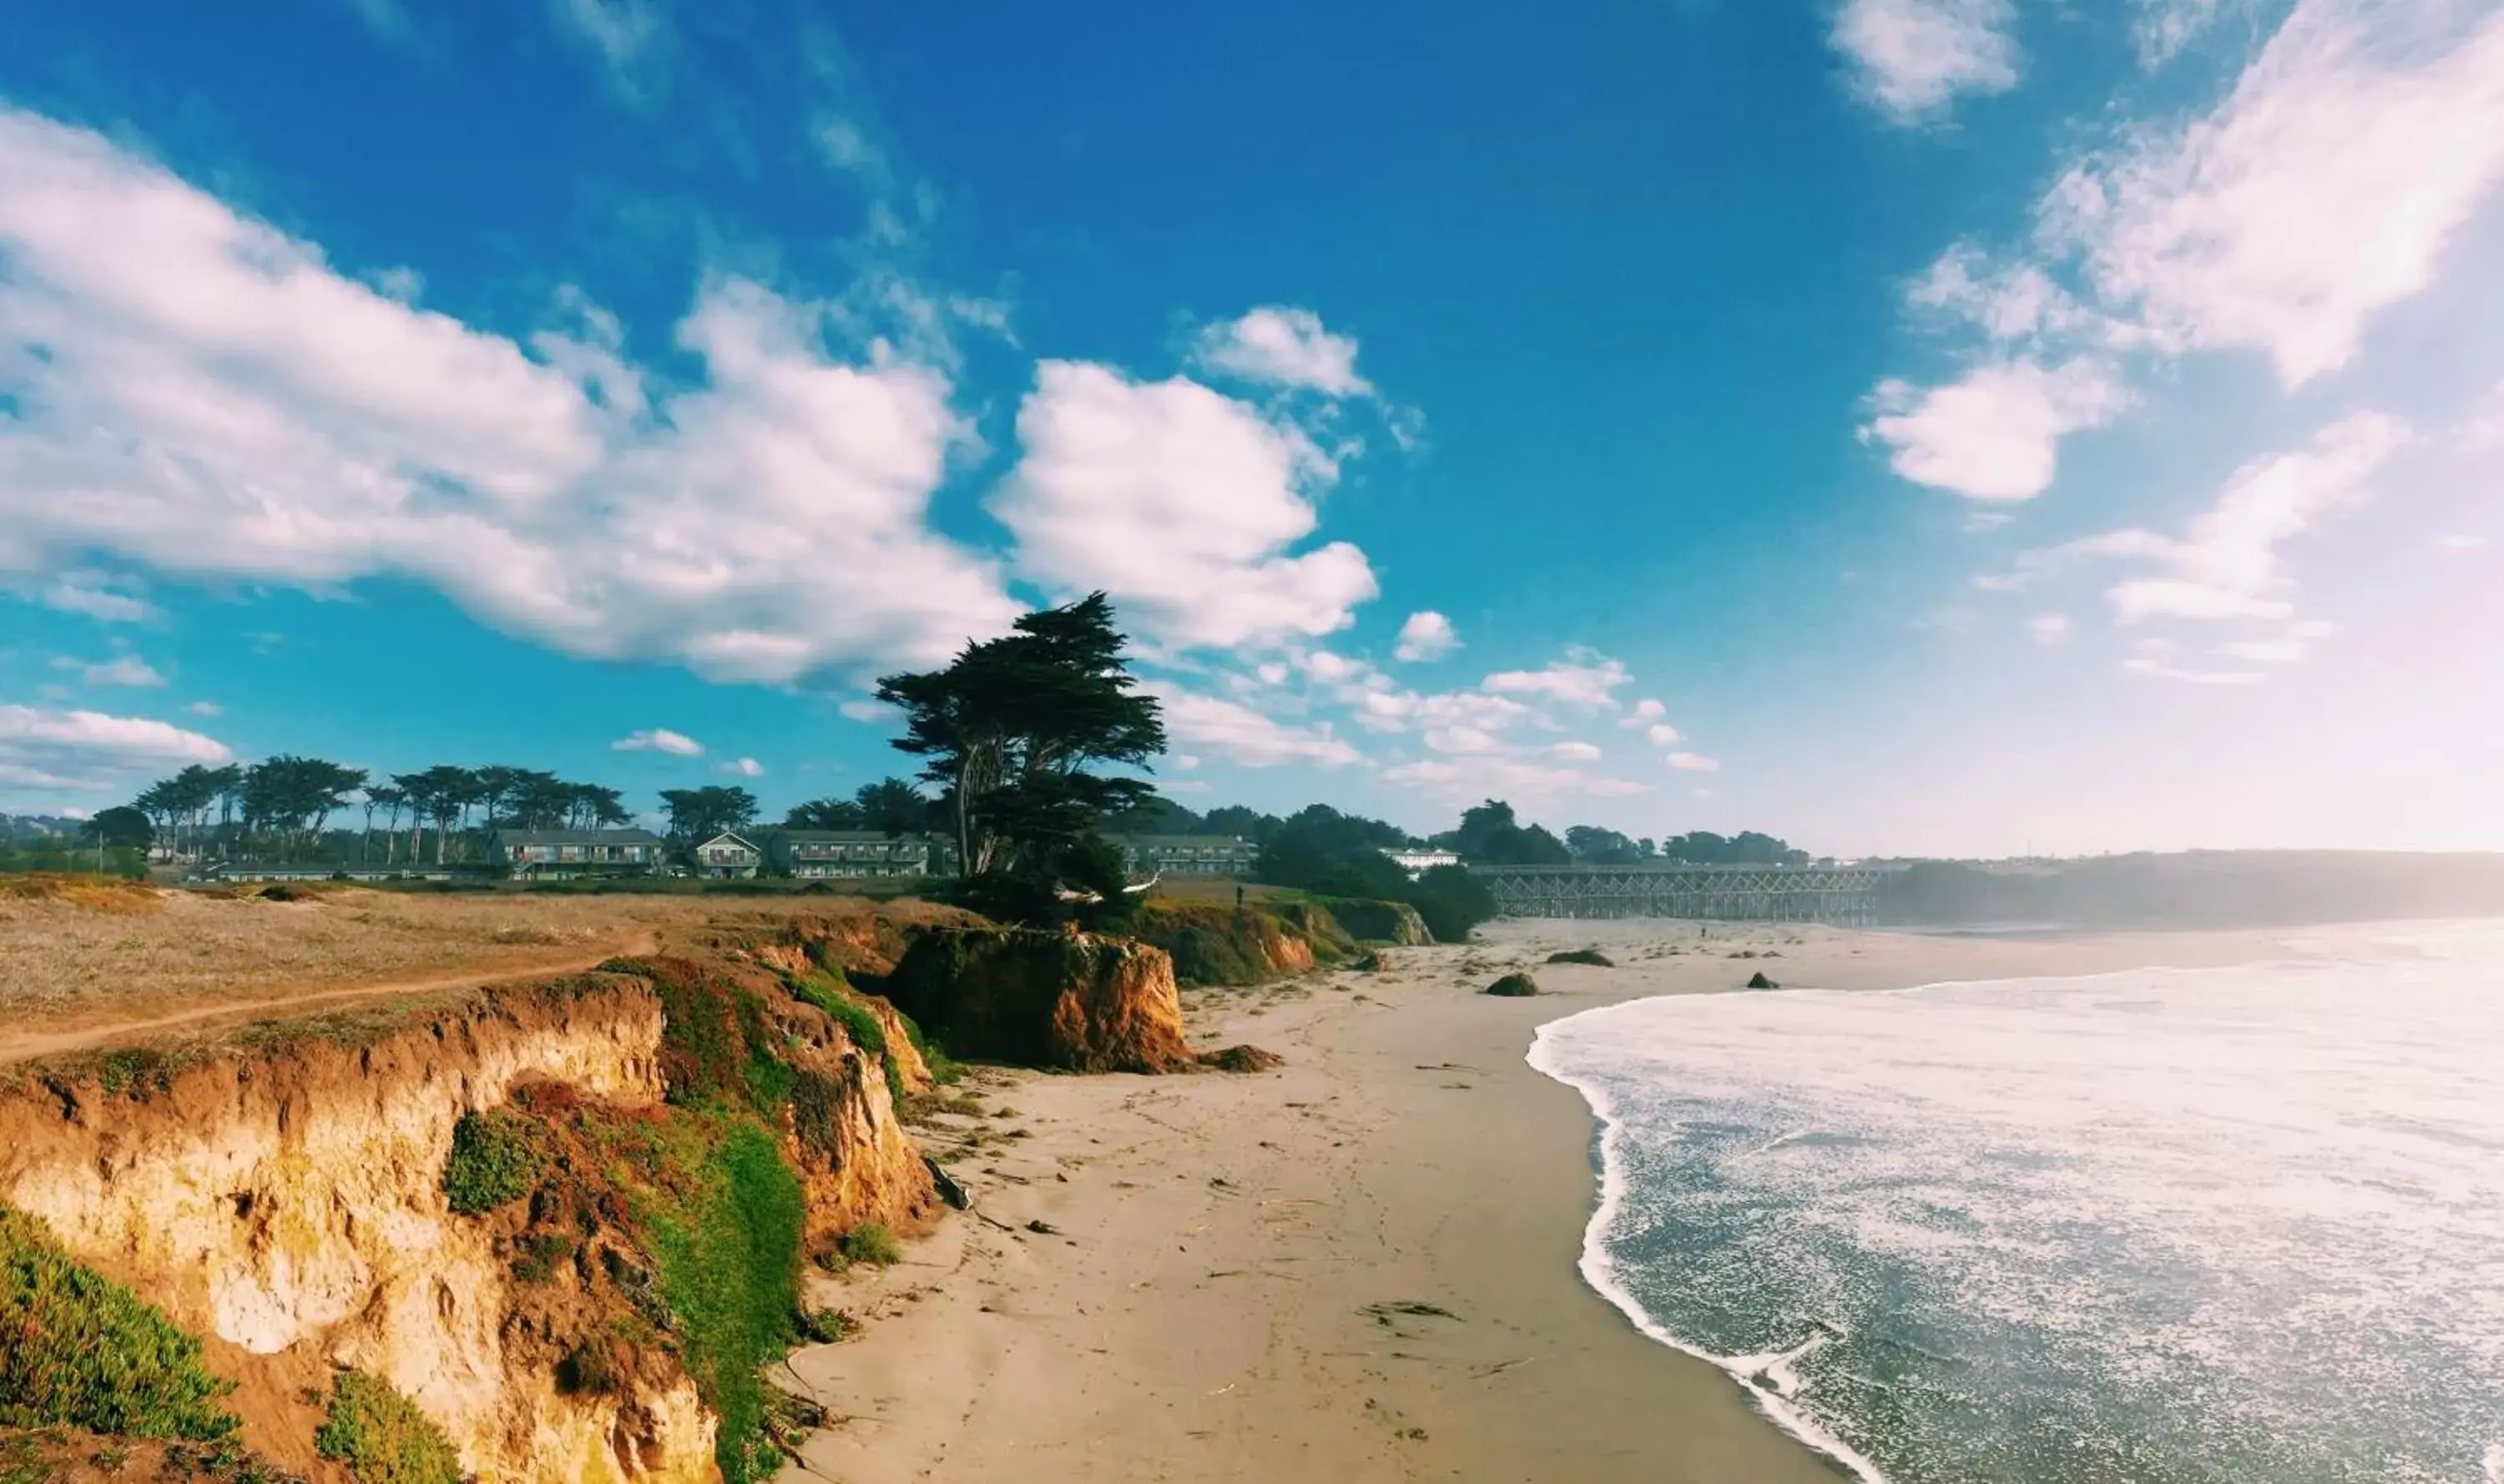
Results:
x,y
1327,668
2141,665
863,709
1243,735
122,670
659,740
1184,762
1661,734
1525,783
1426,636
2162,28
213,400
1461,740
1383,710
1575,752
1282,347
45,749
621,34
85,593
2323,190
1180,503
2461,543
205,708
1644,712
2050,628
1993,433
2005,301
746,768
2266,651
1913,57
2227,565
1583,677
1694,762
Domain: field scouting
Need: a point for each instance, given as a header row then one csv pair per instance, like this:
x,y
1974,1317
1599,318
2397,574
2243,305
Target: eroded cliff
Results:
x,y
286,1197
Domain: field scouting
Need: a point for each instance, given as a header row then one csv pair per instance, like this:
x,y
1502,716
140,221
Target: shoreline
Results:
x,y
1364,1265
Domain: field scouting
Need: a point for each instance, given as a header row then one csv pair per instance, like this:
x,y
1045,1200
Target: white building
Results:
x,y
1418,862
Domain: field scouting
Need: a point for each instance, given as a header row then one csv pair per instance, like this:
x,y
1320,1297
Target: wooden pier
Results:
x,y
1844,895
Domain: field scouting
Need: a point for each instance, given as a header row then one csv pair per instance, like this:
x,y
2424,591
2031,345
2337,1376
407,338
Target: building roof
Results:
x,y
726,835
847,835
1183,842
576,837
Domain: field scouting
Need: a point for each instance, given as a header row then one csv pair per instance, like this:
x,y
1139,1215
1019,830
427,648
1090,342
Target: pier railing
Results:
x,y
1847,895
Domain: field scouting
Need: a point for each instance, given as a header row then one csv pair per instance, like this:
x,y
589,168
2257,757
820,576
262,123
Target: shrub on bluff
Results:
x,y
1073,1001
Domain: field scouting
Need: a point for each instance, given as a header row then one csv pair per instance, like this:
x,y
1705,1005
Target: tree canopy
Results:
x,y
1490,836
698,814
1012,727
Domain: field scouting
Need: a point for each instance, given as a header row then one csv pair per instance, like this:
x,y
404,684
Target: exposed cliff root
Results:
x,y
1212,944
1073,1001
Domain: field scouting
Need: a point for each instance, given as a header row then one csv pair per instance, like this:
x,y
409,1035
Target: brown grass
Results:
x,y
70,955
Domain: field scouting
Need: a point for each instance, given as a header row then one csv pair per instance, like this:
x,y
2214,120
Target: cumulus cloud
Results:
x,y
1575,752
1245,735
2323,190
211,398
1426,636
205,708
1661,734
1182,504
863,709
1583,677
47,748
1284,347
2005,301
1913,58
659,740
1643,713
122,670
2050,628
2325,187
86,594
746,768
1995,433
1694,762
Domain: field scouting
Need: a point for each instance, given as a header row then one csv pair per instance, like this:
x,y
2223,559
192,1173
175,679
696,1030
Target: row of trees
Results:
x,y
1490,834
284,805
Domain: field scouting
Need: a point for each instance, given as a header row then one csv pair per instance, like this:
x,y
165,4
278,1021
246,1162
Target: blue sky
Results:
x,y
1938,426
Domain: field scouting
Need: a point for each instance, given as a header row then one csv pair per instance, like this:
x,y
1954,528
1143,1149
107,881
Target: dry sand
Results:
x,y
1360,1267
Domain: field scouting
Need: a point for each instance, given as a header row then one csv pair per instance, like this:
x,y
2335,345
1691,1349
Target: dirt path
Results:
x,y
22,1045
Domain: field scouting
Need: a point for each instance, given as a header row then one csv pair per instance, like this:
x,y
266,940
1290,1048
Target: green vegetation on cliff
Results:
x,y
1216,945
729,1245
78,1350
493,1162
697,1218
381,1436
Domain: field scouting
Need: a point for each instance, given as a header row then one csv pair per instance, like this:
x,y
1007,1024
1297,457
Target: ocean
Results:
x,y
2173,1226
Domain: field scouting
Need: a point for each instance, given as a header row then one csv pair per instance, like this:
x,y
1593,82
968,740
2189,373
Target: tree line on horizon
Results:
x,y
1011,733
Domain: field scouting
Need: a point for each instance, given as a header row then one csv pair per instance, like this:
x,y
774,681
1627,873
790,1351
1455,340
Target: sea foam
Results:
x,y
2167,1225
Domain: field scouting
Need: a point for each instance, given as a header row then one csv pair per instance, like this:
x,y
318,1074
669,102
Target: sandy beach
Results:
x,y
1359,1267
